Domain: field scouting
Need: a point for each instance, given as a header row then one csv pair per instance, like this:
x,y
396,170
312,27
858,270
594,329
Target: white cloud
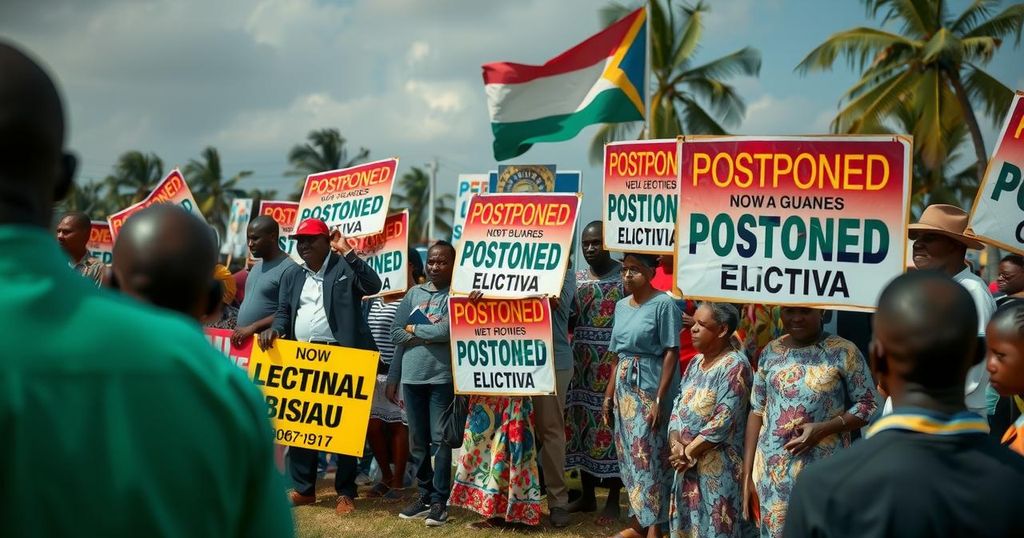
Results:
x,y
417,52
793,115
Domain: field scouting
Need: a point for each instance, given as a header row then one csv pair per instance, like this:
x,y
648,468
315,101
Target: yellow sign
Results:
x,y
318,396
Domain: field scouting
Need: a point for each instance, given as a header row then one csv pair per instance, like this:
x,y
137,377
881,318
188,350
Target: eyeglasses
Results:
x,y
629,271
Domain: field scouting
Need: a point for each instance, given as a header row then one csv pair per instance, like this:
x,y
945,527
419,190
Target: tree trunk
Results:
x,y
979,151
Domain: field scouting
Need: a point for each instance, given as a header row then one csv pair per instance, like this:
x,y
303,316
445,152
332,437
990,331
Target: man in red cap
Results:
x,y
321,302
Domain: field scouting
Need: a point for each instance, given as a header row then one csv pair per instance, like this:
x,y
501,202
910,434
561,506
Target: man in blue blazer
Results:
x,y
321,302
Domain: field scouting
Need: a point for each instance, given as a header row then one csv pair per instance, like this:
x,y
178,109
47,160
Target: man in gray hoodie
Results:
x,y
423,367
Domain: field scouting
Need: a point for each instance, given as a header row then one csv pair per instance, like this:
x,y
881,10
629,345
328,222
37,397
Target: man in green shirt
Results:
x,y
116,419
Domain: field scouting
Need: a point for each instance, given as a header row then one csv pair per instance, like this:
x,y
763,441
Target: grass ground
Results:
x,y
375,518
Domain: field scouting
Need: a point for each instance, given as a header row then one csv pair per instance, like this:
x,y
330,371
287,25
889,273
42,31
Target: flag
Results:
x,y
601,80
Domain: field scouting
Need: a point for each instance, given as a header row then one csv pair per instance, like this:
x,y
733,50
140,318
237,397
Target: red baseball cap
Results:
x,y
311,227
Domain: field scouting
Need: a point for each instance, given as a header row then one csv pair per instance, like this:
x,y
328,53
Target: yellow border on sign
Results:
x,y
1018,99
604,198
570,250
551,363
906,141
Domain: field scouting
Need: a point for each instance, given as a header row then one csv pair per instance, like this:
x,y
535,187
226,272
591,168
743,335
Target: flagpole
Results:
x,y
647,72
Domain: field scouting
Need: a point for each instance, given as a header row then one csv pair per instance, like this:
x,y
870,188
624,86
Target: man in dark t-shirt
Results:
x,y
929,468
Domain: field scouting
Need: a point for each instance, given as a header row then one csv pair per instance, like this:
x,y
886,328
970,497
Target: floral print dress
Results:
x,y
589,443
497,473
640,337
796,386
707,499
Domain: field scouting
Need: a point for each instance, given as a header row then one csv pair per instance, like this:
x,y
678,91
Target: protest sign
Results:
x,y
469,184
318,396
565,181
235,241
502,346
386,253
516,245
171,190
101,243
220,339
354,199
286,215
812,221
641,196
998,213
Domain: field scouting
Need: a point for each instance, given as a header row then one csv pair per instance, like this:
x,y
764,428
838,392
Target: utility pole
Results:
x,y
432,166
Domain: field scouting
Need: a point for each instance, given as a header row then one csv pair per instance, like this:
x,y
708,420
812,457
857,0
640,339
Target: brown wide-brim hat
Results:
x,y
947,220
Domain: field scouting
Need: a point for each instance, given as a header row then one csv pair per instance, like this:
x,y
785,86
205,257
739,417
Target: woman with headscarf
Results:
x,y
707,429
810,391
645,341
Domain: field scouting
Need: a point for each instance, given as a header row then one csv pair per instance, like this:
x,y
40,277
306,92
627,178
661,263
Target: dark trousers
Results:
x,y
302,467
424,405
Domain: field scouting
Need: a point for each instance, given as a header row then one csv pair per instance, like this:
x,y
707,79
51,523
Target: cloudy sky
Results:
x,y
400,77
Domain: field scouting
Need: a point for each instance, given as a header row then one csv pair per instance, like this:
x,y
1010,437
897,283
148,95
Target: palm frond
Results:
x,y
857,45
872,105
976,12
746,61
696,120
1008,22
918,17
989,93
943,46
689,35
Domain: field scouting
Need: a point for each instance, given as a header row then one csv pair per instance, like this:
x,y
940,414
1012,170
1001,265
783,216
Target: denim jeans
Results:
x,y
424,405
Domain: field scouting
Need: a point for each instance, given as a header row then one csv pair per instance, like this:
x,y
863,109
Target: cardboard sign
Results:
x,y
502,347
516,246
171,190
387,253
353,199
469,184
998,213
810,221
235,241
101,243
641,196
318,396
286,215
220,339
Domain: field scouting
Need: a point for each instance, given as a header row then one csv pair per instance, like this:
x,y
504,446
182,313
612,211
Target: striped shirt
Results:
x,y
380,318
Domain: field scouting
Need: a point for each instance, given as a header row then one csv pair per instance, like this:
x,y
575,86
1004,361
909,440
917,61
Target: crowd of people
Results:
x,y
715,419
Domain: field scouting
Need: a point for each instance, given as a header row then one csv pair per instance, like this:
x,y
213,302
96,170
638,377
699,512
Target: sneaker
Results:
x,y
438,515
417,510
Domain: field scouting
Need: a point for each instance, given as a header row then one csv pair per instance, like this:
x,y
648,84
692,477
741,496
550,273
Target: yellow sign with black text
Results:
x,y
318,396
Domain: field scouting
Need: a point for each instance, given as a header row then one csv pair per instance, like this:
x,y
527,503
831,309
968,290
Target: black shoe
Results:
x,y
417,510
559,517
438,515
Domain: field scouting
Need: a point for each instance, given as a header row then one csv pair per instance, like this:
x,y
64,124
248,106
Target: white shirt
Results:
x,y
311,319
977,376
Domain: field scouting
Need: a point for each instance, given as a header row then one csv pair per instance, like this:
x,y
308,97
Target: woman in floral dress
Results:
x,y
497,474
707,428
810,391
590,441
645,340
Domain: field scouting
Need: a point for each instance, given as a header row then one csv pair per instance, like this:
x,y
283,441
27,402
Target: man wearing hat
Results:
x,y
940,245
321,302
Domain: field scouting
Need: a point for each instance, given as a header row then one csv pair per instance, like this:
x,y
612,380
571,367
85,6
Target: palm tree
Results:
x,y
135,175
415,186
258,195
211,190
932,68
687,98
325,151
90,199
